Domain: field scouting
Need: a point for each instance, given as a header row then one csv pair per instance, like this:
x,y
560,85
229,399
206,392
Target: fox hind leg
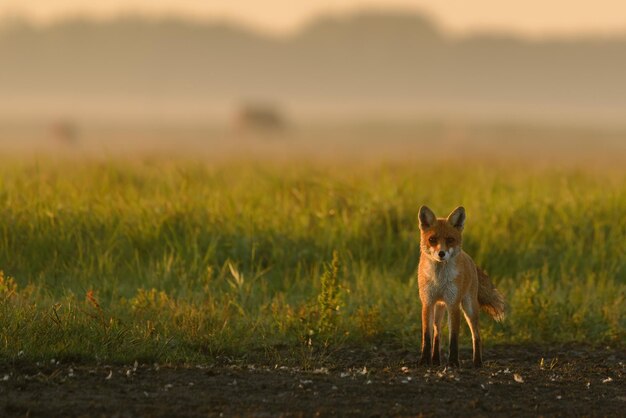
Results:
x,y
471,309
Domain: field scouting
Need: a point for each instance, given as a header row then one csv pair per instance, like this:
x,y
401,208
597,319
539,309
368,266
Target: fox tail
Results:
x,y
489,298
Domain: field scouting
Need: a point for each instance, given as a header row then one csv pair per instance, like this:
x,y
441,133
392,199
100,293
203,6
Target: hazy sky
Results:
x,y
533,17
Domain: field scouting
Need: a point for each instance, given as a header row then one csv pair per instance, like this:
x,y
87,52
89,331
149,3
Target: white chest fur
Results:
x,y
441,285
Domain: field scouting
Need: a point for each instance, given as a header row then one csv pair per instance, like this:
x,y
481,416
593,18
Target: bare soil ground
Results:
x,y
571,380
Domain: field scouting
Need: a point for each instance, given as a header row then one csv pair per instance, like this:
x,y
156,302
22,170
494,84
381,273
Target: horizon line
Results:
x,y
19,18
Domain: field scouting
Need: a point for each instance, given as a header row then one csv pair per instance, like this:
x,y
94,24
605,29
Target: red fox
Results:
x,y
448,278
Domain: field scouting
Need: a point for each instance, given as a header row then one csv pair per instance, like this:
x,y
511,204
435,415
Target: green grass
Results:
x,y
161,260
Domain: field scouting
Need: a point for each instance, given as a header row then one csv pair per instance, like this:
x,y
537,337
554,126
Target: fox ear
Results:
x,y
457,218
427,218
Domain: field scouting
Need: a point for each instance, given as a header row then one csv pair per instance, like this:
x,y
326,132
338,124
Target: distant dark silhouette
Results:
x,y
259,117
65,132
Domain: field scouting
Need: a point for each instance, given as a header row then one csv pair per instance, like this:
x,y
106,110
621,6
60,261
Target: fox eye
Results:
x,y
449,240
432,240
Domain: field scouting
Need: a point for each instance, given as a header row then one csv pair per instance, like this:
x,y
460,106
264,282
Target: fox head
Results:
x,y
441,238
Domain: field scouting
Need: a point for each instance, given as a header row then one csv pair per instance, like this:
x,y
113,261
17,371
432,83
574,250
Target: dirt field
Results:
x,y
572,380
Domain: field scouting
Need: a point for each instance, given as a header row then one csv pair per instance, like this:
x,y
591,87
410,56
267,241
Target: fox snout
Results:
x,y
441,252
443,255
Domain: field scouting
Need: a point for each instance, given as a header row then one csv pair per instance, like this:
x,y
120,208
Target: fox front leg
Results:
x,y
454,317
440,310
427,332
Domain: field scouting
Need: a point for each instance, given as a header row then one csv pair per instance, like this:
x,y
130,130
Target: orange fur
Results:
x,y
449,279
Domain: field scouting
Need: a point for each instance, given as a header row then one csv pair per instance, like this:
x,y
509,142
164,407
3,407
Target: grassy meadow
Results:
x,y
157,259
